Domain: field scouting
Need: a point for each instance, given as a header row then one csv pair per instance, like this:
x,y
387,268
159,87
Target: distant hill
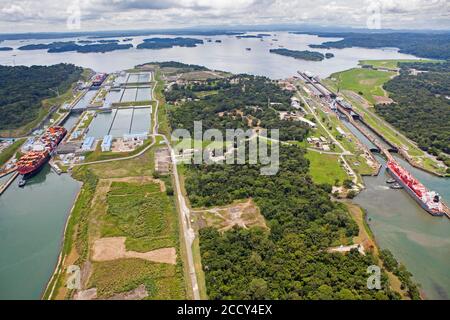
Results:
x,y
55,47
426,45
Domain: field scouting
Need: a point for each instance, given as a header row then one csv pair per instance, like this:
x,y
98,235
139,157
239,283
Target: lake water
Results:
x,y
230,55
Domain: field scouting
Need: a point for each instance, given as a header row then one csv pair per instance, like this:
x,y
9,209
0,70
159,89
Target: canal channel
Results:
x,y
32,221
418,240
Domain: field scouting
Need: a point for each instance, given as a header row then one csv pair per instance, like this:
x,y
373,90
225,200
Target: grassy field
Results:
x,y
131,273
9,152
366,81
146,216
325,168
359,165
141,213
164,126
389,64
331,122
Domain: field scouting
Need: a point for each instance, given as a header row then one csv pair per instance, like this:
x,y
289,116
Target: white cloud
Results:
x,y
50,15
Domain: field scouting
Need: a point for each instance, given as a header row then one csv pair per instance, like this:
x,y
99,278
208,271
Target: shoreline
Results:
x,y
377,248
61,256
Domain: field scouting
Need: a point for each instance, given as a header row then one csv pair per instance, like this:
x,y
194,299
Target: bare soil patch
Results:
x,y
162,161
383,100
91,294
244,215
108,249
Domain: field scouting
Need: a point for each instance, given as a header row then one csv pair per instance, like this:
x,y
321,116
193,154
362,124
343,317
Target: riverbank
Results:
x,y
367,239
363,87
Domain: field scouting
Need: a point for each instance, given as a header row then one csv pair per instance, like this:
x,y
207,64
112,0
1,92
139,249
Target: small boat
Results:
x,y
249,49
391,181
396,186
22,183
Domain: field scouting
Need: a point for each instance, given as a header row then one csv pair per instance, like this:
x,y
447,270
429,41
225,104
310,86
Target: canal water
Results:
x,y
71,121
32,221
139,122
86,100
418,240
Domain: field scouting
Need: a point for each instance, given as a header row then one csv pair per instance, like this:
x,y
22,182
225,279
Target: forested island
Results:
x,y
6,49
302,55
164,43
427,45
22,90
70,46
288,259
422,105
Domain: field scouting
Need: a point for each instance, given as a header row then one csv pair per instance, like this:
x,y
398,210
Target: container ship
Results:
x,y
98,79
428,200
33,161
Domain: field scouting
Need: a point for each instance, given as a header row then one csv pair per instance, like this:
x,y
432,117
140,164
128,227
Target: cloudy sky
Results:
x,y
86,15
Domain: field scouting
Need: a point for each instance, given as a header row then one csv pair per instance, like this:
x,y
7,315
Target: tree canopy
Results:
x,y
22,90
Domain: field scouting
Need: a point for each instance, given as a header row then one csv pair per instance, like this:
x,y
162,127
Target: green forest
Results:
x,y
422,106
290,261
22,90
237,100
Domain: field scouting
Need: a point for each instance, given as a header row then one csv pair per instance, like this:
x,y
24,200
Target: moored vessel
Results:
x,y
430,201
32,162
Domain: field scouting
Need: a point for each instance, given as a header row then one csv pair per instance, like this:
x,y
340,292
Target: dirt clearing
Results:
x,y
108,249
244,215
383,100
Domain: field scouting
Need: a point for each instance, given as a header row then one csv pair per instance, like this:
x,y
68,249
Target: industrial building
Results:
x,y
107,143
88,144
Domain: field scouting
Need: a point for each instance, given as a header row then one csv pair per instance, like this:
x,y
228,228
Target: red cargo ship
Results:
x,y
33,161
429,200
98,79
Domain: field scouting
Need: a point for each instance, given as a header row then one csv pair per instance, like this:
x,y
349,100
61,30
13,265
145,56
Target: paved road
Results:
x,y
185,218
